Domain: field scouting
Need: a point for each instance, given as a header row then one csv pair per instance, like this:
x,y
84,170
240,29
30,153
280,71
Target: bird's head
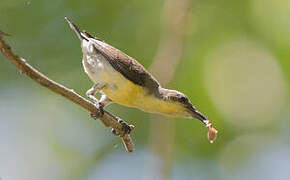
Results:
x,y
181,102
184,108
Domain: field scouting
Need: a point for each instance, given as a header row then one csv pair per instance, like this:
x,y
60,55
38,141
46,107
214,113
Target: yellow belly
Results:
x,y
124,92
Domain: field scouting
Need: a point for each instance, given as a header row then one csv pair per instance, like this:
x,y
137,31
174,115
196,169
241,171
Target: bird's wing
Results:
x,y
126,65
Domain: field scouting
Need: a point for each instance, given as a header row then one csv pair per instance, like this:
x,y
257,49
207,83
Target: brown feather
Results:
x,y
127,66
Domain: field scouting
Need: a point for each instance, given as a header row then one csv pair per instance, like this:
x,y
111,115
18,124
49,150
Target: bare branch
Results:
x,y
107,118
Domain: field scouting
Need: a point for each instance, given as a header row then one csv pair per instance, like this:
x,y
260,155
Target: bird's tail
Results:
x,y
75,29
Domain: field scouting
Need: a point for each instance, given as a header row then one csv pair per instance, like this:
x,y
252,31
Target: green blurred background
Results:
x,y
230,57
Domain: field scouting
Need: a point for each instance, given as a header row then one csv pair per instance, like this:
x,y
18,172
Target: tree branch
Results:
x,y
107,118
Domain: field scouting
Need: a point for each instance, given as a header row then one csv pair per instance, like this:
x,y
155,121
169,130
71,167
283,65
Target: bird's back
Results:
x,y
126,81
126,65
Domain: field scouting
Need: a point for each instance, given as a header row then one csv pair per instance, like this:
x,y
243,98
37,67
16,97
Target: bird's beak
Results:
x,y
75,29
212,132
196,114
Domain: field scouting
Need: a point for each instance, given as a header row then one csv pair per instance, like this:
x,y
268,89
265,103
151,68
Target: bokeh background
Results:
x,y
230,57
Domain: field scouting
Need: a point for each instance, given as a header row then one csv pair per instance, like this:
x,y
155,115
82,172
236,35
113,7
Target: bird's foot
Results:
x,y
93,116
100,107
114,132
126,129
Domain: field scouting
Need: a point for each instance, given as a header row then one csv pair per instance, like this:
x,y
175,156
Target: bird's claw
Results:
x,y
114,132
126,129
100,107
94,116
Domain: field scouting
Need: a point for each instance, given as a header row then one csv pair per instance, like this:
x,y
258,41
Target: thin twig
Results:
x,y
107,118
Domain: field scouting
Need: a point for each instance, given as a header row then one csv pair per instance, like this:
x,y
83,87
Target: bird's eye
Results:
x,y
183,99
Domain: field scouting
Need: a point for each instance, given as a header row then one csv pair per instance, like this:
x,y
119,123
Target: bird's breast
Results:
x,y
95,67
117,87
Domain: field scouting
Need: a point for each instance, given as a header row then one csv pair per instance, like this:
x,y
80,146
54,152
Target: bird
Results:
x,y
123,80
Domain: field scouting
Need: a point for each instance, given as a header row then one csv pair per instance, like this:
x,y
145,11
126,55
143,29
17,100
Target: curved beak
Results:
x,y
212,132
196,114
